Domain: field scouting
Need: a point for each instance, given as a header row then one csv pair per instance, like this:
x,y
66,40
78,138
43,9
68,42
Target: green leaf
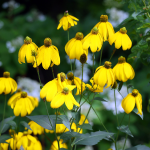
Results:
x,y
146,25
68,135
12,124
145,58
100,99
43,121
125,129
135,110
65,121
76,116
4,126
139,147
25,124
4,137
120,85
85,126
92,138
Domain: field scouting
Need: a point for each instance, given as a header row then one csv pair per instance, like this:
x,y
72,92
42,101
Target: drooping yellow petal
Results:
x,y
29,57
2,85
73,17
109,78
138,101
7,89
69,103
70,20
47,58
104,31
125,42
73,100
59,25
65,23
55,55
128,70
118,41
110,29
102,79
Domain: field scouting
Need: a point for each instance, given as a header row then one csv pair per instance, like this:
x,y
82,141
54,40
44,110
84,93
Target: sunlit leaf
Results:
x,y
85,126
125,129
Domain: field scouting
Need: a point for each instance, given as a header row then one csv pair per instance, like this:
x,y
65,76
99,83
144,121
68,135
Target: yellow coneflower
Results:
x,y
54,145
128,103
7,84
120,38
105,28
67,21
123,70
26,51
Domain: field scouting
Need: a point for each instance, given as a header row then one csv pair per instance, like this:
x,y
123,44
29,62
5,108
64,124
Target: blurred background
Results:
x,y
38,20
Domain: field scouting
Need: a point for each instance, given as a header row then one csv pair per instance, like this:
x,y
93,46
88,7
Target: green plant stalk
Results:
x,y
3,116
81,85
112,54
93,65
116,107
126,134
46,105
101,56
53,72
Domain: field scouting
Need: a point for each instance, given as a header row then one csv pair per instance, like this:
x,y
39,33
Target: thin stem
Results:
x,y
120,94
126,134
101,56
144,3
53,72
93,63
112,54
81,85
3,116
116,107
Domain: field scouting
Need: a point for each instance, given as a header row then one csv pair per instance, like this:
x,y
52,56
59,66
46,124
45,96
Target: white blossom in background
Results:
x,y
14,44
78,70
41,17
10,4
1,63
88,148
109,96
116,16
120,144
30,86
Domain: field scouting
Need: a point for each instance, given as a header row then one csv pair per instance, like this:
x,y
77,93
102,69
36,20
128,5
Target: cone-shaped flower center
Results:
x,y
123,30
83,58
121,59
23,94
19,90
79,36
95,30
70,76
25,133
62,76
47,42
65,90
103,18
66,13
33,53
107,64
6,74
27,40
135,92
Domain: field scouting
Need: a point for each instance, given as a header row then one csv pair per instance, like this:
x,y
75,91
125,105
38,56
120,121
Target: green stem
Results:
x,y
53,72
3,116
112,54
126,134
116,107
101,56
120,94
81,85
93,63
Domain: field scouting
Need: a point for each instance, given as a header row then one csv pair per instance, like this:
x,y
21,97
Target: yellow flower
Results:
x,y
67,21
36,129
94,87
47,54
105,28
22,104
4,146
26,51
72,80
82,118
104,75
51,88
120,38
93,40
128,103
7,84
65,96
123,70
74,48
27,141
54,145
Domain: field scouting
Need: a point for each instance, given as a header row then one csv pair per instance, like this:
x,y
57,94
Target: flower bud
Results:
x,y
123,30
65,90
70,76
62,76
83,58
47,42
27,40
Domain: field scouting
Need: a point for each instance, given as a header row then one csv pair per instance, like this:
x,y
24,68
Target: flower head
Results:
x,y
105,28
47,54
72,80
128,103
123,70
26,51
120,38
93,40
74,48
104,75
65,96
67,21
22,103
54,145
7,84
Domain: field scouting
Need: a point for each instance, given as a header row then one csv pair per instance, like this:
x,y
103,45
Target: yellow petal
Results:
x,y
21,54
109,78
55,55
69,103
46,58
118,41
73,17
7,86
138,105
128,70
65,23
104,31
102,79
2,85
73,100
29,57
125,42
59,25
70,20
110,29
